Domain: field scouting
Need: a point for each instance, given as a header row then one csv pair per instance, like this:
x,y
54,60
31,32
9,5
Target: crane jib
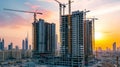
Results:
x,y
22,11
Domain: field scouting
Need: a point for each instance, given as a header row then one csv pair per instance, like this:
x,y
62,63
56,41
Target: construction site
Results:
x,y
76,38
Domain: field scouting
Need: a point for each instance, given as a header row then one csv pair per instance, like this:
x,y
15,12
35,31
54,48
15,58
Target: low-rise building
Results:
x,y
14,54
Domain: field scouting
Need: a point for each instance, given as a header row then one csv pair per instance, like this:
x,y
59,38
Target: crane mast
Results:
x,y
69,28
69,3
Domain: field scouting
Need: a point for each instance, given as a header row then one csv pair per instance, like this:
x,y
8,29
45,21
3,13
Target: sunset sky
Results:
x,y
15,25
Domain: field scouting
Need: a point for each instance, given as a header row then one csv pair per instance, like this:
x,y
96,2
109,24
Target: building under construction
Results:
x,y
43,38
72,50
88,41
76,37
77,51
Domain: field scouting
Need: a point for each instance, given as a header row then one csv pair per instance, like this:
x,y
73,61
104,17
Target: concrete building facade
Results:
x,y
43,37
78,38
64,35
88,38
14,54
76,58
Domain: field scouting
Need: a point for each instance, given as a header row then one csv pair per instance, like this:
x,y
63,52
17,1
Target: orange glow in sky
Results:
x,y
14,25
98,36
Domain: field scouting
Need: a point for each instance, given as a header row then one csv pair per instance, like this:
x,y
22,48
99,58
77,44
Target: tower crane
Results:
x,y
69,3
35,13
69,28
62,7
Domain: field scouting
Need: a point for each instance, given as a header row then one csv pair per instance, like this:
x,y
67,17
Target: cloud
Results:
x,y
107,32
53,1
12,20
32,6
106,9
46,0
48,14
94,4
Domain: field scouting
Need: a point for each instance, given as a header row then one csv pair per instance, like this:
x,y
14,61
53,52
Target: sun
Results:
x,y
98,35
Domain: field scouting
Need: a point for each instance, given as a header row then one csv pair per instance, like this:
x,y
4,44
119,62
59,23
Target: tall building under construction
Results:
x,y
43,38
78,38
88,40
76,56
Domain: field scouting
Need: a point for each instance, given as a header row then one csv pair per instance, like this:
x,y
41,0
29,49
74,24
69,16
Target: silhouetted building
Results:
x,y
26,43
30,48
2,44
100,49
10,46
23,45
16,47
114,47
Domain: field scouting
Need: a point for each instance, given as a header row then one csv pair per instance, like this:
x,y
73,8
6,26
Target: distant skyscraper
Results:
x,y
30,47
43,37
114,47
2,44
16,47
100,49
23,45
26,43
10,46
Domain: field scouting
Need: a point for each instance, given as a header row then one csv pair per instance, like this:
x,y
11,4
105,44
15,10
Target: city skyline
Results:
x,y
106,11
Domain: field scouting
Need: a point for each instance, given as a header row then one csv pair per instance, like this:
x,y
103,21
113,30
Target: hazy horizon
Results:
x,y
15,25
